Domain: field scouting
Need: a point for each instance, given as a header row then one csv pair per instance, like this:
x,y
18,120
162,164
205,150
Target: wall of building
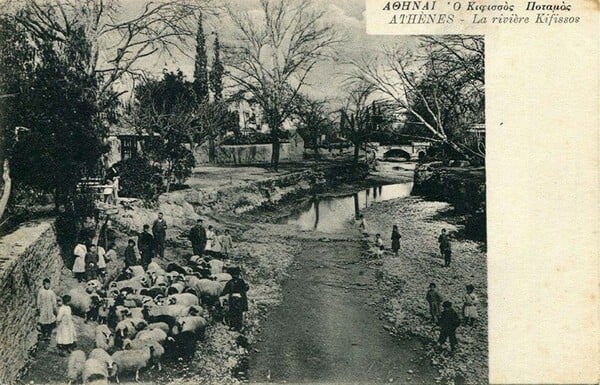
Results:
x,y
27,256
251,153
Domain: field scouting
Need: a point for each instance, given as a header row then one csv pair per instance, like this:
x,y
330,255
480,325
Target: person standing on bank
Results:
x,y
46,310
146,246
80,252
449,321
445,248
159,231
470,306
226,243
65,329
395,240
107,235
434,299
198,237
236,289
131,254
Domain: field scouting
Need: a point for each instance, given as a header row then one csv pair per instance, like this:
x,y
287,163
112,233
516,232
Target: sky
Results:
x,y
326,81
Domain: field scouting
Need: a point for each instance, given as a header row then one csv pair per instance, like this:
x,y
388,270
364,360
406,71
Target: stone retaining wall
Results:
x,y
27,256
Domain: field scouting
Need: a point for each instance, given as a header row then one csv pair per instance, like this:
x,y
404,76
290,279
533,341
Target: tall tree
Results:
x,y
64,135
200,65
273,53
216,72
313,121
165,109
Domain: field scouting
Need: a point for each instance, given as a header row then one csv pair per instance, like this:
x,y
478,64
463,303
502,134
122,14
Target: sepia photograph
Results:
x,y
250,191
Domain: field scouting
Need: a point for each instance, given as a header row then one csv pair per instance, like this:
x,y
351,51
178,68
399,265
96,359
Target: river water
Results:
x,y
327,328
333,214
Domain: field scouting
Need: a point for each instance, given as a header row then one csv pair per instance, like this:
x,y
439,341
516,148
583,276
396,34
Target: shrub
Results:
x,y
140,179
182,169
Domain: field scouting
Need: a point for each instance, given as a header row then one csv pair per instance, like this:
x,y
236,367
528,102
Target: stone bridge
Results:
x,y
413,149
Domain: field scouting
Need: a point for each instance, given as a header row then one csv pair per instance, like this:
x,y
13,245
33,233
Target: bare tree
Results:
x,y
272,55
443,80
117,43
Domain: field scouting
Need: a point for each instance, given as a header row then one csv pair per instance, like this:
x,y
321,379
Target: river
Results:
x,y
327,328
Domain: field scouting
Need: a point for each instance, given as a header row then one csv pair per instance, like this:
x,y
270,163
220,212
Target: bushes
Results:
x,y
140,179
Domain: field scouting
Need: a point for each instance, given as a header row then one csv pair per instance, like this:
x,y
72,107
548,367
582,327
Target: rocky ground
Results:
x,y
407,277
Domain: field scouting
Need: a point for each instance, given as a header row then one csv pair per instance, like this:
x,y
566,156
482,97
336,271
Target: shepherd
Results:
x,y
236,288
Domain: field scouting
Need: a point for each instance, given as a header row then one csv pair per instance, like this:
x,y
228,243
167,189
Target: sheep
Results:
x,y
128,328
153,291
95,370
216,266
221,277
159,280
129,360
135,283
76,364
155,267
135,300
93,284
136,312
187,299
157,335
103,356
158,325
194,324
176,288
136,271
173,276
175,267
208,291
186,333
104,337
84,303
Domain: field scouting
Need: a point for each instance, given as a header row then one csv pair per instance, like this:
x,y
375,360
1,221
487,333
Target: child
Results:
x,y
65,329
46,310
91,263
210,239
434,299
469,307
79,263
226,243
445,248
379,244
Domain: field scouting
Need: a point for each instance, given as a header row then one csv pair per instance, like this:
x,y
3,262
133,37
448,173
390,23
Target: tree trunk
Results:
x,y
356,151
275,152
6,188
211,150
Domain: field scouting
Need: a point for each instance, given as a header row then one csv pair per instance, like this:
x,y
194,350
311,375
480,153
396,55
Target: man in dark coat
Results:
x,y
107,235
449,321
198,238
91,262
131,257
146,246
159,231
236,289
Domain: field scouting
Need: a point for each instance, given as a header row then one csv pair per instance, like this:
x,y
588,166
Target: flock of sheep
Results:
x,y
145,314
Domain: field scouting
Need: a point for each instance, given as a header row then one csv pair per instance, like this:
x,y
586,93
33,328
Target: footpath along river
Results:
x,y
327,328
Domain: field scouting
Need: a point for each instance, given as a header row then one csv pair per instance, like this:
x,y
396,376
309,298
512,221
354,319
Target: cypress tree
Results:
x,y
200,70
216,73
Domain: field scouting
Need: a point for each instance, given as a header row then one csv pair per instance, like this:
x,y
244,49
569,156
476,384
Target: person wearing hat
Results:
x,y
198,237
236,289
449,321
146,246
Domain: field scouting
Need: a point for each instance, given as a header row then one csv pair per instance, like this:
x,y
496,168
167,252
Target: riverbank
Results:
x,y
405,280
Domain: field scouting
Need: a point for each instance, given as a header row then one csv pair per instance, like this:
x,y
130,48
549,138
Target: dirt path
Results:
x,y
327,328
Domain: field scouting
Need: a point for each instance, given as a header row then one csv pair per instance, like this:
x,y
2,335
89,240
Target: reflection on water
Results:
x,y
333,214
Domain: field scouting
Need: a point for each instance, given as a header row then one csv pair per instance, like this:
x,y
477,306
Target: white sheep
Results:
x,y
175,288
216,266
136,283
136,312
76,364
129,360
157,335
194,324
205,286
221,277
93,284
187,299
136,271
103,356
104,337
83,302
154,267
94,370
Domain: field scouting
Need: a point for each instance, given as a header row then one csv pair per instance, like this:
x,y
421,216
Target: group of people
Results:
x,y
94,254
54,312
442,312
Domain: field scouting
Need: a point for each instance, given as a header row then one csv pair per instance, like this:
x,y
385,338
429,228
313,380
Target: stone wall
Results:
x,y
27,256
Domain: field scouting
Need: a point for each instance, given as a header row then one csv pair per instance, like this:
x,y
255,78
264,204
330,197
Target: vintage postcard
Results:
x,y
299,191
